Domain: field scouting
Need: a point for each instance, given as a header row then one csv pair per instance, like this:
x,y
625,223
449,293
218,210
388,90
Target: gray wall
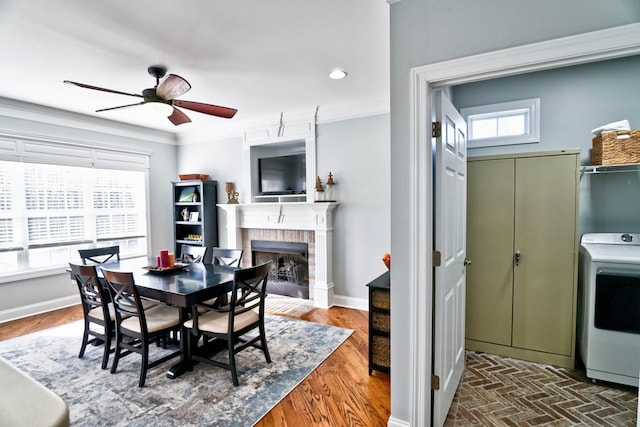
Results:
x,y
429,31
573,101
357,152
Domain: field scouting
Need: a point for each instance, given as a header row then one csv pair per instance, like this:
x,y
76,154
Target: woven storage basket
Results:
x,y
616,148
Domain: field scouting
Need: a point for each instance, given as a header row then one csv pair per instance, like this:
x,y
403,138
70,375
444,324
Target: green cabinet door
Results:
x,y
490,201
545,236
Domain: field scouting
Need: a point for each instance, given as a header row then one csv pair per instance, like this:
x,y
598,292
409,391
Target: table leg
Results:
x,y
185,365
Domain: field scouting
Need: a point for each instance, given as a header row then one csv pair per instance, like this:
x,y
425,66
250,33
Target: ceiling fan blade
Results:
x,y
86,86
120,106
172,87
178,117
214,110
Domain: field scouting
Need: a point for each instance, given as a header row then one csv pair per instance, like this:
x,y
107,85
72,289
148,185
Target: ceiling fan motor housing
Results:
x,y
151,96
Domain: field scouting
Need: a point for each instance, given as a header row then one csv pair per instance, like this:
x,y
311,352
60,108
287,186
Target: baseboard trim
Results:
x,y
351,302
41,307
394,422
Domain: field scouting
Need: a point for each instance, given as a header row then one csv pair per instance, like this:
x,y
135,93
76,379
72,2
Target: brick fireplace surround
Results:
x,y
310,223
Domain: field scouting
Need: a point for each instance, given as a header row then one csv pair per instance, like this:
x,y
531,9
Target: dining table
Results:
x,y
182,286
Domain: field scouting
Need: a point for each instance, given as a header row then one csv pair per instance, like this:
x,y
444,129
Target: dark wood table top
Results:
x,y
183,287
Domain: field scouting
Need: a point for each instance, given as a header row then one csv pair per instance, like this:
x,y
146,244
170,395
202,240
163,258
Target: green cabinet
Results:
x,y
195,215
522,239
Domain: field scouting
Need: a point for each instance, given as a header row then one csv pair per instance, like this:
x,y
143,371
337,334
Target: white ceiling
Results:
x,y
262,57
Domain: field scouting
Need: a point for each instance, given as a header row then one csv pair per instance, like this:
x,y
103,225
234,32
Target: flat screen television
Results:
x,y
282,175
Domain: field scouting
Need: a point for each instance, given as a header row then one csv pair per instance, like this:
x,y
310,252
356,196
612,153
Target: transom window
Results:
x,y
505,123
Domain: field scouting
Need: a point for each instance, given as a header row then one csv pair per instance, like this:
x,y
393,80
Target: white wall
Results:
x,y
429,31
357,152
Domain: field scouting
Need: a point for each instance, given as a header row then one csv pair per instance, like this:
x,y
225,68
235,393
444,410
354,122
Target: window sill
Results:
x,y
45,272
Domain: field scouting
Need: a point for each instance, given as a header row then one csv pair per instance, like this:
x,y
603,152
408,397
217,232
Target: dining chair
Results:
x,y
100,255
96,309
244,313
137,327
227,257
192,254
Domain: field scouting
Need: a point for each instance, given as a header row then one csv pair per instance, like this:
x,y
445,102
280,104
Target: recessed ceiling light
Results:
x,y
337,74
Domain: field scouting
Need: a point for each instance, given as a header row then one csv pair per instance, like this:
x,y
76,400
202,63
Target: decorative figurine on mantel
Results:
x,y
330,193
319,190
232,195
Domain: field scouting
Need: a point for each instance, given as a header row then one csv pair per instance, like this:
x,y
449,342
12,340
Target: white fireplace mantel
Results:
x,y
316,217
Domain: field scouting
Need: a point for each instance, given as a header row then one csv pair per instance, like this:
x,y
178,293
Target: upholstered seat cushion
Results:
x,y
217,322
159,317
26,402
96,313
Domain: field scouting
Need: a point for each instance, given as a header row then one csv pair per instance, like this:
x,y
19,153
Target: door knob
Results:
x,y
517,257
467,262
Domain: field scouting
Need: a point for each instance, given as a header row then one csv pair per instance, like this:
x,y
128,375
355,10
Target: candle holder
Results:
x,y
232,195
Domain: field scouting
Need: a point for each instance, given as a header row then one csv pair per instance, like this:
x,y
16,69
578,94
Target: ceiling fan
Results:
x,y
163,96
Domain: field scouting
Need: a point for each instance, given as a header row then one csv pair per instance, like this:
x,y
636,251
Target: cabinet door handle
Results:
x,y
517,257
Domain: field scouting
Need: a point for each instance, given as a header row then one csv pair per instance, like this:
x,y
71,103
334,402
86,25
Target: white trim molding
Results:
x,y
600,45
316,217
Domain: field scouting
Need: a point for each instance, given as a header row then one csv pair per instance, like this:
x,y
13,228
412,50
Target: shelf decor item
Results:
x,y
186,195
192,176
616,148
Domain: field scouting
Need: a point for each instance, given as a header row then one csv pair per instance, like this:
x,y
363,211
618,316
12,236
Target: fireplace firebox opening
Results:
x,y
289,274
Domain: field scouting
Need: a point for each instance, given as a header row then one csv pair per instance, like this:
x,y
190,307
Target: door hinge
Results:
x,y
435,382
436,259
436,129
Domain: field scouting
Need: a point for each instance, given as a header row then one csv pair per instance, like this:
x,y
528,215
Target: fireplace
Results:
x,y
289,274
310,223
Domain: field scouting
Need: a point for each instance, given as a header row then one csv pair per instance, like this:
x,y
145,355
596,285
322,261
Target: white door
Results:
x,y
450,186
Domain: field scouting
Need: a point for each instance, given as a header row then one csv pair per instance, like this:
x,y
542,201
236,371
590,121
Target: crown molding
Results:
x,y
15,109
359,108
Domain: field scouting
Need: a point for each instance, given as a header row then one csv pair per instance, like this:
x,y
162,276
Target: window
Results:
x,y
49,211
506,123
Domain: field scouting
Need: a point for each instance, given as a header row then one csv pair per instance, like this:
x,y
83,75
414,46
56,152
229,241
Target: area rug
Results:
x,y
204,397
280,304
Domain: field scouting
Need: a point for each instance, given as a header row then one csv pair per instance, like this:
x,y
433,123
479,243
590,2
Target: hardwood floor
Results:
x,y
339,392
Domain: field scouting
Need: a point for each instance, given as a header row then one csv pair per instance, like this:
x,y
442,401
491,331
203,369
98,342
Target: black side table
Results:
x,y
379,323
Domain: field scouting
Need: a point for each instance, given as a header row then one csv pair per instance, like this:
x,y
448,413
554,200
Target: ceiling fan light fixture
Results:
x,y
159,108
337,74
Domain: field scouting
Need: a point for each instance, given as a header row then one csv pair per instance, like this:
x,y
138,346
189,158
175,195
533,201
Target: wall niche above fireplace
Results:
x,y
280,139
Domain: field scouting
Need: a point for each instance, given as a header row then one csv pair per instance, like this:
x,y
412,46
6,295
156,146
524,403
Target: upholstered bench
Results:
x,y
26,402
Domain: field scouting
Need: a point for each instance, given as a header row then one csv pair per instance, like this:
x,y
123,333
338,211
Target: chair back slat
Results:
x,y
227,257
92,294
100,255
124,296
192,254
249,289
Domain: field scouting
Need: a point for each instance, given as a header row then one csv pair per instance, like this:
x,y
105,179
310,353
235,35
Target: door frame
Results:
x,y
594,46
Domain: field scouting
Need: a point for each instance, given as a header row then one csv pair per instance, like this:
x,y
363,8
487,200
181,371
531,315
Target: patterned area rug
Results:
x,y
205,396
499,391
279,304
